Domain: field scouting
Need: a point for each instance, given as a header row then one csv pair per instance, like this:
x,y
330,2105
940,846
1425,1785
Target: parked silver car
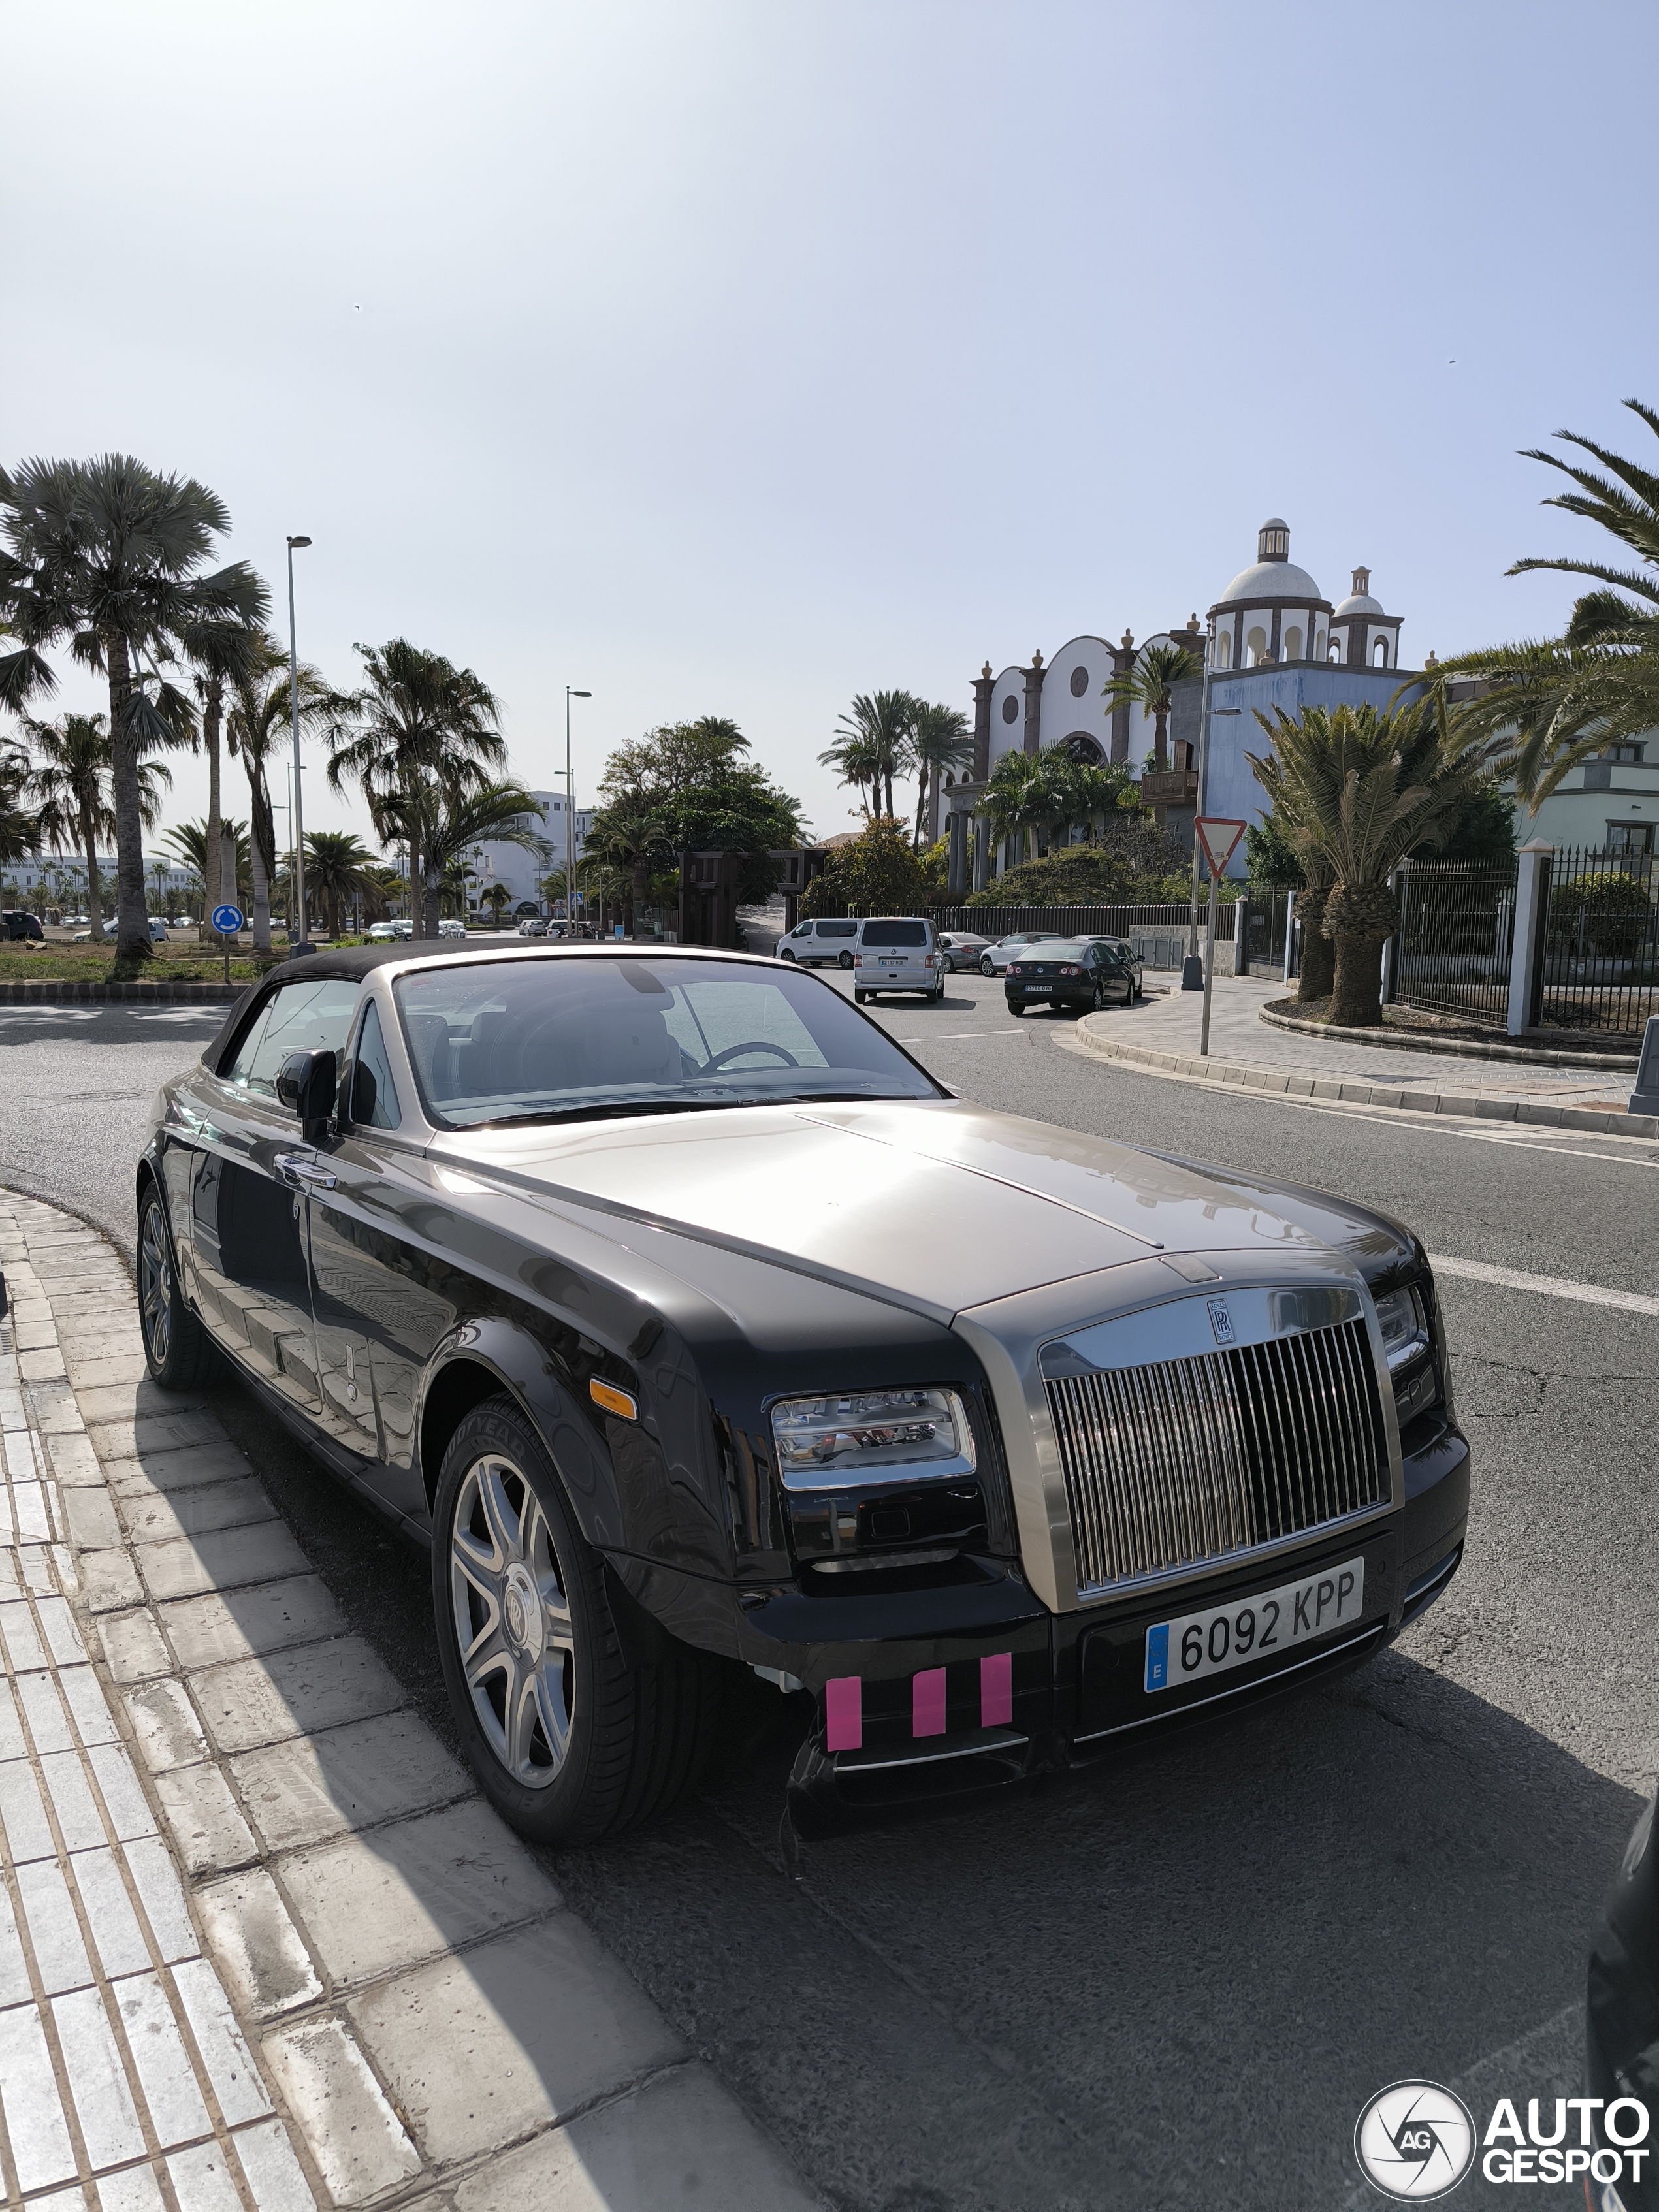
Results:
x,y
961,949
995,957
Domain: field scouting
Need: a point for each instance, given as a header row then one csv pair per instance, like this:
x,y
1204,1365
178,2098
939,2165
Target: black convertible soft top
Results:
x,y
354,961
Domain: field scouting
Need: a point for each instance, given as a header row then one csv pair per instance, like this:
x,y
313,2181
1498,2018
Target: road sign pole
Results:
x,y
225,941
1209,973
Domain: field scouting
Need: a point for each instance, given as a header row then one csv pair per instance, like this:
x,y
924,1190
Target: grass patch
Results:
x,y
91,964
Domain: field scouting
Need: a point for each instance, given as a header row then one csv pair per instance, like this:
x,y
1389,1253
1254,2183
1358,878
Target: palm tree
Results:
x,y
417,717
1018,799
70,780
20,832
219,654
1545,705
495,897
1354,792
1150,685
626,839
336,867
108,555
877,733
189,844
941,742
258,720
441,817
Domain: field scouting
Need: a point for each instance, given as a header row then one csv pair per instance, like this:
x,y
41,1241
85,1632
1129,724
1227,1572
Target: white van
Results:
x,y
898,953
813,943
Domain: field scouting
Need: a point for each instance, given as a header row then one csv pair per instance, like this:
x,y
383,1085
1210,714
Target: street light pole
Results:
x,y
570,816
299,797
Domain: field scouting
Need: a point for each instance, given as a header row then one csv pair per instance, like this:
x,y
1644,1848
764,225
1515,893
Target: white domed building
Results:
x,y
1275,641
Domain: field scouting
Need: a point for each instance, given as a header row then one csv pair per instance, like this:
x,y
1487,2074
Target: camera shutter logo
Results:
x,y
1414,2141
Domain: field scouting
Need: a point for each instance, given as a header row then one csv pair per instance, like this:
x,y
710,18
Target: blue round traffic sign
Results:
x,y
228,920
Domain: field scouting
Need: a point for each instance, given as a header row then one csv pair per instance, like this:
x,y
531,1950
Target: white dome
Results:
x,y
1360,603
1264,581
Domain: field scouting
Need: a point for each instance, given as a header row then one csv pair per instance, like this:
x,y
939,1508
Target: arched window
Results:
x,y
1257,644
1223,648
1319,646
1335,652
1380,654
1292,645
1083,749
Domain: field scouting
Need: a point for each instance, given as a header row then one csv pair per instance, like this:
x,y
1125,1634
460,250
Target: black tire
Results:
x,y
634,1737
789,956
1100,997
986,965
177,1348
1016,1006
846,960
859,997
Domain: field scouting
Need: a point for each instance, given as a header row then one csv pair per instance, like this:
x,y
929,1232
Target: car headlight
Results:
x,y
1404,1325
857,1436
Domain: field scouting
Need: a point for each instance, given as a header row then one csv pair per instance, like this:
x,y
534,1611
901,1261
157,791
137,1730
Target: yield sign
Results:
x,y
1218,837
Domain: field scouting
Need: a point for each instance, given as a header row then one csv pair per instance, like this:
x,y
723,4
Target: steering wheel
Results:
x,y
733,1051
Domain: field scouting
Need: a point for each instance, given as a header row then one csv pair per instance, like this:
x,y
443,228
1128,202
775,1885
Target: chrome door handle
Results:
x,y
303,1174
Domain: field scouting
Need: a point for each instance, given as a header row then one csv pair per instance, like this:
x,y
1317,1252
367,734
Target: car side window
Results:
x,y
310,1017
838,929
373,1094
802,929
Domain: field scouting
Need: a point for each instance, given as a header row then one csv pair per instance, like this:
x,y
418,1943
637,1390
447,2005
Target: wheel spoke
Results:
x,y
502,1522
504,1574
544,1697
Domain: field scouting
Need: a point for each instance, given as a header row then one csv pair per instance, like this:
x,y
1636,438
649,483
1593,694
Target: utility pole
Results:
x,y
569,817
1191,980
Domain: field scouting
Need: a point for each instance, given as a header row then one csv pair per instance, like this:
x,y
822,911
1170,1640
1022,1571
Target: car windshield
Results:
x,y
568,1037
1056,948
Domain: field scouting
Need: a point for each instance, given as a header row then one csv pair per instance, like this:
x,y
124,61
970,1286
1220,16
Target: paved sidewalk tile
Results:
x,y
189,1566
373,1904
286,1693
477,2056
357,2139
165,1644
350,1778
244,1624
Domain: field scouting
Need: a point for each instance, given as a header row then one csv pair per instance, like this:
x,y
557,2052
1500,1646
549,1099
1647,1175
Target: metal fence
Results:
x,y
1597,956
1601,949
1451,955
994,921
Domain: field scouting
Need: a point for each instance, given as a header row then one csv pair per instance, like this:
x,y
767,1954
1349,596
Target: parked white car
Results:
x,y
448,928
960,950
531,927
816,943
388,932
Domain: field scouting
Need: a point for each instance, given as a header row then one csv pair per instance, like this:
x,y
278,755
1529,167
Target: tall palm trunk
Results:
x,y
94,888
1160,751
132,923
641,886
261,852
1318,966
1361,917
432,886
212,710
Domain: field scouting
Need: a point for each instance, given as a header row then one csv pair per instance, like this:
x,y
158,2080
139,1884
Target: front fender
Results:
x,y
524,1369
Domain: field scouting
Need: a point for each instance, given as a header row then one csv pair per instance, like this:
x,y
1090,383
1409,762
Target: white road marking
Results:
x,y
950,1037
1549,1286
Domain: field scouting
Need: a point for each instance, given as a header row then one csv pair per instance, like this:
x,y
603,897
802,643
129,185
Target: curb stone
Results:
x,y
1395,1040
1192,1069
54,993
366,1988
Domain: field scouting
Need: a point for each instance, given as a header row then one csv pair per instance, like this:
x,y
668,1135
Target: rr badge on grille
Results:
x,y
1220,1320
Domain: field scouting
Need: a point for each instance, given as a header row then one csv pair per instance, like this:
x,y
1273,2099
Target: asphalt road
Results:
x,y
1172,1982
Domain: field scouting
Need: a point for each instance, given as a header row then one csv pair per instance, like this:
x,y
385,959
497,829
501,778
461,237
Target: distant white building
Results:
x,y
522,870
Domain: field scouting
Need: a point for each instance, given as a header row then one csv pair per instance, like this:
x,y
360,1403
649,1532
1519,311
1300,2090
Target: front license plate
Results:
x,y
1255,1627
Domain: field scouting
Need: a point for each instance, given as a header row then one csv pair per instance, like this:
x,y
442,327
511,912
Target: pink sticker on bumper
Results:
x,y
843,1713
927,1703
996,1690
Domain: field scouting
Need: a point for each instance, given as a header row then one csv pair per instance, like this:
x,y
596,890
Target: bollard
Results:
x,y
1644,1099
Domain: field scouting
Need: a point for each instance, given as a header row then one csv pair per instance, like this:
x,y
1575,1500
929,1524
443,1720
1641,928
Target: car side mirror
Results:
x,y
306,1082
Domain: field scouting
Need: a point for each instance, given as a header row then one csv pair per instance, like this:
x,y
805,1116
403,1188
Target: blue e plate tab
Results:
x,y
1157,1656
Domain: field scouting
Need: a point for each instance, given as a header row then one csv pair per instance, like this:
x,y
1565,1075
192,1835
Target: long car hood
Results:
x,y
942,1205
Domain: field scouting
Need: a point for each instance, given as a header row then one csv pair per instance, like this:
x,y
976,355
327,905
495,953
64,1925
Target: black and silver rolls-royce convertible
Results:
x,y
696,1327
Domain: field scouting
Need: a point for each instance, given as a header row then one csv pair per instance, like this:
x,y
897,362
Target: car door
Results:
x,y
364,1299
249,1177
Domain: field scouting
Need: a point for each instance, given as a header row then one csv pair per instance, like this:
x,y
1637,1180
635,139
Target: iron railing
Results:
x,y
1451,954
1185,1461
1601,951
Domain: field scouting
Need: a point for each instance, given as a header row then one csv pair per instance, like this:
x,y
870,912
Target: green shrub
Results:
x,y
1609,915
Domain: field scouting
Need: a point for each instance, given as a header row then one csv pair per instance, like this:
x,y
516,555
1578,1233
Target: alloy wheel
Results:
x,y
155,1286
511,1621
1100,996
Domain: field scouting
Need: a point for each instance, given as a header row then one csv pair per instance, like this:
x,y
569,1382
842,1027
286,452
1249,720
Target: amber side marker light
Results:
x,y
613,1400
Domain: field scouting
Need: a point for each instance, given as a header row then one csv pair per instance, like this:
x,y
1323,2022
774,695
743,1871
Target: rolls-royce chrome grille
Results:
x,y
1183,1462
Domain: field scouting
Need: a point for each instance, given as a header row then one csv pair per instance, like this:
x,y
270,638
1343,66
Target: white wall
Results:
x,y
1007,736
1063,714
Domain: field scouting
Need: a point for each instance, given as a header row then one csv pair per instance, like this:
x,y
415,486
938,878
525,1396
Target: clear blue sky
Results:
x,y
735,357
